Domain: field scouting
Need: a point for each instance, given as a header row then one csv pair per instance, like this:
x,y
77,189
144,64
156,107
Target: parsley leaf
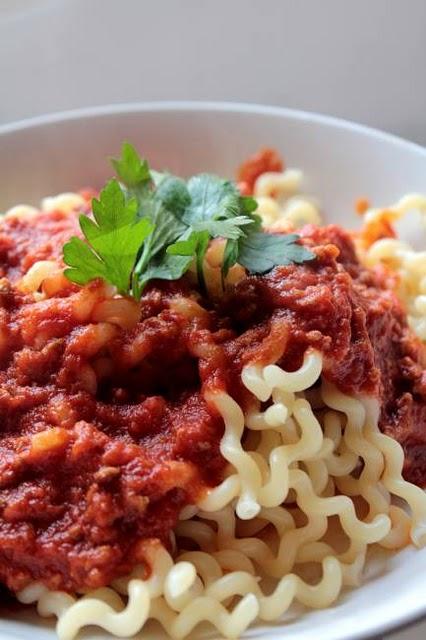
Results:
x,y
212,208
173,194
195,245
211,198
113,241
260,252
153,225
165,267
248,205
153,206
190,214
167,228
229,228
164,211
130,168
85,264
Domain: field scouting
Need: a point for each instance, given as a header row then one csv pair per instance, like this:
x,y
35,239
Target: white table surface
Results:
x,y
362,60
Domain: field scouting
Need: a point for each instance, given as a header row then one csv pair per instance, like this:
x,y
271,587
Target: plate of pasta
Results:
x,y
212,375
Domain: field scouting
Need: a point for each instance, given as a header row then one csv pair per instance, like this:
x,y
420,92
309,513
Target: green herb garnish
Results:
x,y
112,242
153,225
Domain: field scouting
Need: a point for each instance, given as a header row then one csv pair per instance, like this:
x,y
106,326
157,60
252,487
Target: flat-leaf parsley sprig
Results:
x,y
113,240
149,225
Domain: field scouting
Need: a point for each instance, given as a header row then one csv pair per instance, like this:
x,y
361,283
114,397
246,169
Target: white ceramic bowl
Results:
x,y
341,161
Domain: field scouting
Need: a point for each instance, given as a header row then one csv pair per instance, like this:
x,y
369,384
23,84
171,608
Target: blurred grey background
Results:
x,y
363,60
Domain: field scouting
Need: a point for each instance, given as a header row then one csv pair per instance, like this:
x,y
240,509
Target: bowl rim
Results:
x,y
408,617
167,106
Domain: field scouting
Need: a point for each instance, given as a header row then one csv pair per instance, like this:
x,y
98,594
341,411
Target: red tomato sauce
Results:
x,y
263,161
91,468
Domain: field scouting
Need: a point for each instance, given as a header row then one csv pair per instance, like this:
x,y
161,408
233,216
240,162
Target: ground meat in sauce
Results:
x,y
89,474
